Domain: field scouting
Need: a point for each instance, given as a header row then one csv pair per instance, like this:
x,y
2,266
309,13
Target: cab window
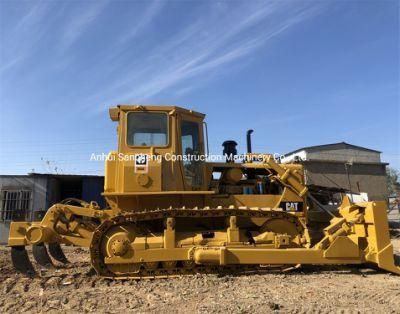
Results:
x,y
147,129
190,143
190,138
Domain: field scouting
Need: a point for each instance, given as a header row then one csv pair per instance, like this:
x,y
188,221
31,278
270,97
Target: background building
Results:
x,y
27,197
342,165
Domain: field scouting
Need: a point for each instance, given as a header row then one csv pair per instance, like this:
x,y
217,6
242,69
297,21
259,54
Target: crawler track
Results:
x,y
159,271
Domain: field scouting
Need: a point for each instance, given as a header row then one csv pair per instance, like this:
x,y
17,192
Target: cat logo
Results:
x,y
292,206
141,163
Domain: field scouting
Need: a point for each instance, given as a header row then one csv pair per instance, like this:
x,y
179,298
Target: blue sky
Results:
x,y
299,73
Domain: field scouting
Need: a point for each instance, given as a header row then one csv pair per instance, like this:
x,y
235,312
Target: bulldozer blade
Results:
x,y
20,260
57,253
41,256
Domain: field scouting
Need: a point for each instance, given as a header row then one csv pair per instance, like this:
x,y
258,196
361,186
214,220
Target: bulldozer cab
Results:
x,y
160,148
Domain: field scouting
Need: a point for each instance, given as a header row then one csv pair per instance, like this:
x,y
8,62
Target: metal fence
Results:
x,y
15,205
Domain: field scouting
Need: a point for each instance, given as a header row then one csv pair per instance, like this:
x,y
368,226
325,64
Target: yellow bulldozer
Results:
x,y
171,211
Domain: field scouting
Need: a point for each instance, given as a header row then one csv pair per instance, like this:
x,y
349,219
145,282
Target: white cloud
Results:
x,y
144,20
208,45
81,22
21,37
211,38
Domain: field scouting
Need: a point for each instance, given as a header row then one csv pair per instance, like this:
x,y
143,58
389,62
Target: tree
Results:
x,y
393,181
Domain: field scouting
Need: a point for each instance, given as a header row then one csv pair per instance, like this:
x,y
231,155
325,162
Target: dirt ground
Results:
x,y
73,288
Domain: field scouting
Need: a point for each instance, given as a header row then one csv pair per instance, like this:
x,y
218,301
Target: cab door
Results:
x,y
192,151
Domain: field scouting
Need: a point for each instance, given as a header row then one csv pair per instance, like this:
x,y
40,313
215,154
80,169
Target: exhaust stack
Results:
x,y
248,140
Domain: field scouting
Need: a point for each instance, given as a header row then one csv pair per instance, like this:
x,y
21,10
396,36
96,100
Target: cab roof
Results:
x,y
114,111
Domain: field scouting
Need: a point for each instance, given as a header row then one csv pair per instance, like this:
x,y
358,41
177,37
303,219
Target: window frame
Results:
x,y
137,146
7,215
200,149
188,118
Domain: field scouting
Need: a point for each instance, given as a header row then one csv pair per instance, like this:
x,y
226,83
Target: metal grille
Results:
x,y
15,205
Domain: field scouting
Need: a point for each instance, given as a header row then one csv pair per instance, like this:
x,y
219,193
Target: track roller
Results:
x,y
151,266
